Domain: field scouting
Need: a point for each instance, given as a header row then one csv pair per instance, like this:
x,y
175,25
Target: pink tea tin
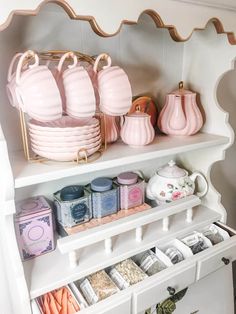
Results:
x,y
34,227
131,188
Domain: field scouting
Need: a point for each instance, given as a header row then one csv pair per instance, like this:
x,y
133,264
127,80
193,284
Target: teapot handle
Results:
x,y
193,178
98,59
67,55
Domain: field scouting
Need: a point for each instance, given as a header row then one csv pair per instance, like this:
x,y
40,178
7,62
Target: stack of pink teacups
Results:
x,y
62,101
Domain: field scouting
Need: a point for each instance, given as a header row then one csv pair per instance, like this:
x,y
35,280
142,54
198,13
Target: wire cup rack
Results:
x,y
81,156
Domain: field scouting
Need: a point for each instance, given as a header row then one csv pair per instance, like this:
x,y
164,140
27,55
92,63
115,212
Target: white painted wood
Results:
x,y
105,232
227,4
26,173
212,260
128,11
108,245
212,294
139,234
154,64
95,258
154,289
189,215
165,223
118,303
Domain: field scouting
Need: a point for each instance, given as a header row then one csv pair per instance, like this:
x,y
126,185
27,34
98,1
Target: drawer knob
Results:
x,y
225,260
171,290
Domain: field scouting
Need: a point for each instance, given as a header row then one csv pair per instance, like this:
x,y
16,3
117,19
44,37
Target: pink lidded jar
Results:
x,y
131,188
34,227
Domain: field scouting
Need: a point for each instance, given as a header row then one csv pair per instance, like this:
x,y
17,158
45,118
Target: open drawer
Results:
x,y
218,255
160,286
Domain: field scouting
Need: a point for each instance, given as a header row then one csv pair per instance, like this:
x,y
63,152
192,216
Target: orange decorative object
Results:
x,y
147,105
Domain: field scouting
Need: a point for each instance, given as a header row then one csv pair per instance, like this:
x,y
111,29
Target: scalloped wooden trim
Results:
x,y
96,28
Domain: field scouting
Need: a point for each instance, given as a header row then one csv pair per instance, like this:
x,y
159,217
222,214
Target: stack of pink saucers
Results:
x,y
66,138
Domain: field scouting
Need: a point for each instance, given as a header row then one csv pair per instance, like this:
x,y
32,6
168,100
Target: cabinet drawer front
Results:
x,y
116,304
214,259
153,290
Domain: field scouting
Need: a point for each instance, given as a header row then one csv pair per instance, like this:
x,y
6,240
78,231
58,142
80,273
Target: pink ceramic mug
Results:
x,y
79,92
114,88
36,90
11,79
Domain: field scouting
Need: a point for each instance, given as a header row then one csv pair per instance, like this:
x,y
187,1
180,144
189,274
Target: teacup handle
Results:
x,y
27,54
10,69
122,121
98,59
67,55
193,178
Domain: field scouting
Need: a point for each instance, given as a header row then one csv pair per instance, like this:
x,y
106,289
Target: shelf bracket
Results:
x,y
139,234
189,215
165,223
108,245
73,259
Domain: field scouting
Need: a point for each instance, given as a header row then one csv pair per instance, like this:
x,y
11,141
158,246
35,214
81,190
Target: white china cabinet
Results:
x,y
158,43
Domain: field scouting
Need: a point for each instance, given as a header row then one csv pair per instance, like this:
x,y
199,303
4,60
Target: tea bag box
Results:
x,y
34,227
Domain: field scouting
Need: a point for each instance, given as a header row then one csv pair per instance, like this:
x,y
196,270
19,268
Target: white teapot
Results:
x,y
171,183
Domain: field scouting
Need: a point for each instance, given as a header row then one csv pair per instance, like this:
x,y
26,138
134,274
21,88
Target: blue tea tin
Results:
x,y
73,205
105,197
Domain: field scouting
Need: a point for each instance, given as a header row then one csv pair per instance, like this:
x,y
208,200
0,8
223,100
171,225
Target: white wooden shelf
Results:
x,y
134,222
57,272
29,173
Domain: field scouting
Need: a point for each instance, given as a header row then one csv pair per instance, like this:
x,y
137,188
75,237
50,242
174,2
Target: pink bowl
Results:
x,y
67,156
64,149
53,137
65,144
68,134
63,124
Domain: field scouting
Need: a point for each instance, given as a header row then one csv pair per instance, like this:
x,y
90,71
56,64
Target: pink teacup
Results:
x,y
79,92
114,88
11,79
36,90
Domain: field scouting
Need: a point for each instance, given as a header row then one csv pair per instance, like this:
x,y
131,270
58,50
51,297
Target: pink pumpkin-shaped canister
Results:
x,y
137,129
180,114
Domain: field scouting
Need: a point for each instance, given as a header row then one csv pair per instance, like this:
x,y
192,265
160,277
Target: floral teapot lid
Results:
x,y
171,170
181,91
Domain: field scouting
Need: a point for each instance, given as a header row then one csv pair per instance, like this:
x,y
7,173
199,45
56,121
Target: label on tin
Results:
x,y
78,211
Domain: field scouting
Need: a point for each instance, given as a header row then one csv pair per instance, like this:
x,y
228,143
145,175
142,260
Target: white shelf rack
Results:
x,y
28,173
70,244
41,279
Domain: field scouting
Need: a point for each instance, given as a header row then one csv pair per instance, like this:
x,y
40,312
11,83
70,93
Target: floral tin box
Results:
x,y
34,227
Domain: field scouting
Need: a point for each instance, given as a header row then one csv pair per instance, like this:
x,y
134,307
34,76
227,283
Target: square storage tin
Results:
x,y
73,212
105,203
131,195
34,227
